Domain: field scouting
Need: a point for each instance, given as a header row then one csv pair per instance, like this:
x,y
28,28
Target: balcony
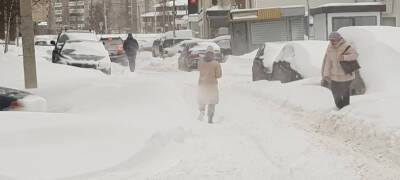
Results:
x,y
58,12
57,4
76,11
77,3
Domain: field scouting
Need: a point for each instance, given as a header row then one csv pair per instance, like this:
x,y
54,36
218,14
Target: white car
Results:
x,y
17,100
81,49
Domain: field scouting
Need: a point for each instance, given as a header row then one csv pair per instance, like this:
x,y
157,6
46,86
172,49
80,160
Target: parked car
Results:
x,y
171,47
44,40
17,100
224,42
156,48
192,53
115,48
81,49
263,61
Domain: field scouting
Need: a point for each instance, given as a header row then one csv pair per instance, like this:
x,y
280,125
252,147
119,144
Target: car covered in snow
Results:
x,y
262,62
296,60
17,100
115,48
81,49
194,51
44,40
224,42
155,49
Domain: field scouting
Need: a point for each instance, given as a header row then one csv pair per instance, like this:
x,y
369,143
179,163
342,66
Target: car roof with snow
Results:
x,y
203,45
306,57
75,35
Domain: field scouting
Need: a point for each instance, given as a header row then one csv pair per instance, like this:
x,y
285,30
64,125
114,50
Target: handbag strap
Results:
x,y
345,50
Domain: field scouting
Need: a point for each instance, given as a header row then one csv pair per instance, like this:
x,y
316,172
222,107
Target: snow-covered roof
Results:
x,y
171,4
352,4
203,45
219,8
256,9
152,14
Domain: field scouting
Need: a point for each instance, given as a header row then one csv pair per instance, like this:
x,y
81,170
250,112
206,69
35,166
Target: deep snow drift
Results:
x,y
143,125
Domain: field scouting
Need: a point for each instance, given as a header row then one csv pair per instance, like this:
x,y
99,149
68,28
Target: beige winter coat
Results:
x,y
334,54
210,72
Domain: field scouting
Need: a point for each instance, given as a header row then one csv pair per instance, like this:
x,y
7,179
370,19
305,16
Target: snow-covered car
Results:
x,y
17,100
170,47
224,42
292,60
44,40
194,51
81,49
263,60
156,48
115,48
84,54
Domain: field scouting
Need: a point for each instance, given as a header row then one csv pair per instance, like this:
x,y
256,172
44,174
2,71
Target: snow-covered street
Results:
x,y
144,125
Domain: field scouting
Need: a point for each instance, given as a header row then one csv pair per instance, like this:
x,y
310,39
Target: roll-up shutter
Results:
x,y
297,27
270,31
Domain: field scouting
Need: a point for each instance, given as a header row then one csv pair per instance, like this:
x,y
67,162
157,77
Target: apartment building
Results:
x,y
70,14
161,18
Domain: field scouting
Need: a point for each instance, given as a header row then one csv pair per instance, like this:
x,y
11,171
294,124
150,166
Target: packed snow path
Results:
x,y
143,125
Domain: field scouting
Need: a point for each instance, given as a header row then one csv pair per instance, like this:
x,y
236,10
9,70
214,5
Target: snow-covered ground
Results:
x,y
143,125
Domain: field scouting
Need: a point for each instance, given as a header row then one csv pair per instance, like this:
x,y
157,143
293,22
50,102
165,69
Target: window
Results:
x,y
388,21
339,22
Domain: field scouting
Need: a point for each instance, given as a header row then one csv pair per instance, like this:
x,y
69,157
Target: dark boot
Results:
x,y
210,119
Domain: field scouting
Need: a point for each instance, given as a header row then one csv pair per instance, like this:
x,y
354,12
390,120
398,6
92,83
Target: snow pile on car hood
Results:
x,y
379,49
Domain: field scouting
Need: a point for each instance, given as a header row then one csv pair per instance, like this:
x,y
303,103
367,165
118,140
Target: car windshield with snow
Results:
x,y
85,54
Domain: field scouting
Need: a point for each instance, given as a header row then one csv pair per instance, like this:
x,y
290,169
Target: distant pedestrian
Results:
x,y
210,72
332,71
131,46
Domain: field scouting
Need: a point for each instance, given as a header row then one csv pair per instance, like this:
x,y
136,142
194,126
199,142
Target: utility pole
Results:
x,y
174,16
308,19
164,19
105,17
27,44
91,15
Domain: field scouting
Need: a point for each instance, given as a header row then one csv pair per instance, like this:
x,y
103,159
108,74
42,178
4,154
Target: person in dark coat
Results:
x,y
131,47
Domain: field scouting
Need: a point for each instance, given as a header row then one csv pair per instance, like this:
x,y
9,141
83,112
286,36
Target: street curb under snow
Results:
x,y
381,144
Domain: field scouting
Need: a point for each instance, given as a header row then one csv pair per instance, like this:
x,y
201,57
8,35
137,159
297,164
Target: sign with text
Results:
x,y
275,13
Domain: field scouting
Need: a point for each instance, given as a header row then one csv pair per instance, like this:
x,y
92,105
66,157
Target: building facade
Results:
x,y
70,14
160,17
390,17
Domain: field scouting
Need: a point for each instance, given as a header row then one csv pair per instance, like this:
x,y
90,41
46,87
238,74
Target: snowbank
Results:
x,y
379,49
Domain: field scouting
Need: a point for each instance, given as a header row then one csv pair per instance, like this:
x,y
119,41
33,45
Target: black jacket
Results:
x,y
131,46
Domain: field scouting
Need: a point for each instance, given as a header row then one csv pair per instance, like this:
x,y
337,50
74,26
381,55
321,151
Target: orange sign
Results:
x,y
275,13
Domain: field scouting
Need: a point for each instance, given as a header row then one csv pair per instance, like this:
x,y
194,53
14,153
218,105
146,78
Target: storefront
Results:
x,y
253,27
332,17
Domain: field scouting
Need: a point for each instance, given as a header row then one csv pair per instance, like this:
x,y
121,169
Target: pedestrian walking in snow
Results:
x,y
210,72
333,71
131,47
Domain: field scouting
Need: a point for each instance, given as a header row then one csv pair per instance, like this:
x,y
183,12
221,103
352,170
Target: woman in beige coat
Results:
x,y
332,71
210,72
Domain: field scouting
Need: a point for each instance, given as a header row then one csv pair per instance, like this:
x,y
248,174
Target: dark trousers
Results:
x,y
132,62
341,93
210,109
